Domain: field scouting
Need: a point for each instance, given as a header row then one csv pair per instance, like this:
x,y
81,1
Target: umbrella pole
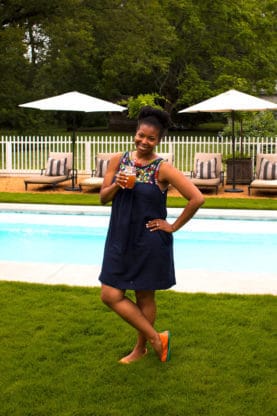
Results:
x,y
233,189
73,187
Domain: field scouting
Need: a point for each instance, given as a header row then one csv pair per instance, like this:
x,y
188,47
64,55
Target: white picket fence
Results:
x,y
28,154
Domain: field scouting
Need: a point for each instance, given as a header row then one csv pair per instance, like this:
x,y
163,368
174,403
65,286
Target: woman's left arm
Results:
x,y
170,175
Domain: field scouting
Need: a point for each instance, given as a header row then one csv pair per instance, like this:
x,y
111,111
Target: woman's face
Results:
x,y
147,138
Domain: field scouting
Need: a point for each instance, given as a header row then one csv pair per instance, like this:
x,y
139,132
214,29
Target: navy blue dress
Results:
x,y
134,257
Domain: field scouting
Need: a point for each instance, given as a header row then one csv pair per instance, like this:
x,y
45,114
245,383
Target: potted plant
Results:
x,y
242,162
243,168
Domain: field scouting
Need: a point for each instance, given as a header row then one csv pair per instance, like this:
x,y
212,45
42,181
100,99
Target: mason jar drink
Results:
x,y
130,171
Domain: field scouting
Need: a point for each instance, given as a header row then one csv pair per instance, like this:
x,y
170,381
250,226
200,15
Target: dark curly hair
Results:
x,y
154,117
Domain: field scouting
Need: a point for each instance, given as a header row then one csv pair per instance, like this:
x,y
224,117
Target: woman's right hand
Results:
x,y
121,179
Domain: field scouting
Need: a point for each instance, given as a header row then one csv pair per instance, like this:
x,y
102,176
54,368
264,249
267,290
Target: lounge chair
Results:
x,y
97,175
207,172
102,161
266,173
169,157
59,169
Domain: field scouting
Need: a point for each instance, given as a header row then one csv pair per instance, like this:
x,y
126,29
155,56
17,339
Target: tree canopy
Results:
x,y
182,50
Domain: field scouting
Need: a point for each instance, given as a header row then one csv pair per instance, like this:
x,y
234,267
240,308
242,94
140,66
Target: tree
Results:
x,y
183,50
257,124
221,45
52,53
135,104
135,42
13,69
17,70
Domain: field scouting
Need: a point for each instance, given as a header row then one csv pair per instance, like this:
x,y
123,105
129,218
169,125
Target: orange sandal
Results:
x,y
166,351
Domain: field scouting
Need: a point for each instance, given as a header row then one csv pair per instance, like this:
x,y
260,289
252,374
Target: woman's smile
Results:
x,y
146,138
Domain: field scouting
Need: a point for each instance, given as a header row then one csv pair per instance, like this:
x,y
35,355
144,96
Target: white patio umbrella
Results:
x,y
74,102
231,101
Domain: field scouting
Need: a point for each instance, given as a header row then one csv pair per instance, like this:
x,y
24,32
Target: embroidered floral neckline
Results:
x,y
144,173
139,164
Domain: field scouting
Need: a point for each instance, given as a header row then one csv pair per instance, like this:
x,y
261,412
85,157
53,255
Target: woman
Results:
x,y
139,247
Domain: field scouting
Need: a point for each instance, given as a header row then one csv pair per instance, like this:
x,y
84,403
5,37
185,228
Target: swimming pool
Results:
x,y
208,244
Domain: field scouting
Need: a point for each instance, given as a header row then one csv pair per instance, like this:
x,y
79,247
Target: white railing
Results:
x,y
28,154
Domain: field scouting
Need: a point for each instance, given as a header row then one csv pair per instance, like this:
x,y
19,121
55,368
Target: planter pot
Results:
x,y
243,171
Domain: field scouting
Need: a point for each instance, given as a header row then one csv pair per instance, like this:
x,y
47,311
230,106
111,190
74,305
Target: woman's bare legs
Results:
x,y
140,315
145,300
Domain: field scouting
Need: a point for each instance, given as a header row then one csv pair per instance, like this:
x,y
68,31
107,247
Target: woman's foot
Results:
x,y
135,355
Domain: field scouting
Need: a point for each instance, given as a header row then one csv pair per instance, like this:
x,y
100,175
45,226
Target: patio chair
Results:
x,y
102,162
58,169
169,157
207,172
97,175
266,173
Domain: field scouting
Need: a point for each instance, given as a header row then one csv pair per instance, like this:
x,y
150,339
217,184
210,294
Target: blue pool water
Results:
x,y
206,244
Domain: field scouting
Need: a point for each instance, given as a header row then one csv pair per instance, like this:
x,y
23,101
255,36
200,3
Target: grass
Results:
x,y
229,203
93,199
60,346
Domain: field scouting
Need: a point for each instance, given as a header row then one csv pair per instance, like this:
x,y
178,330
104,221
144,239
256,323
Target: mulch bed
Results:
x,y
16,184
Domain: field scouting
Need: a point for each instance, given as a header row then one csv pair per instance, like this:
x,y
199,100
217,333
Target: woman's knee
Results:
x,y
110,295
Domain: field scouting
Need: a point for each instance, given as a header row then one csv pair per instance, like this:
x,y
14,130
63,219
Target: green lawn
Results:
x,y
60,346
93,199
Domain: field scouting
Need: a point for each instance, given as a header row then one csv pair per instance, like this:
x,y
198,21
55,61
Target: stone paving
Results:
x,y
16,184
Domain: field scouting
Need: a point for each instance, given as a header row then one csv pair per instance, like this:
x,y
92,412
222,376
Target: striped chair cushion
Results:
x,y
268,170
101,167
206,169
56,167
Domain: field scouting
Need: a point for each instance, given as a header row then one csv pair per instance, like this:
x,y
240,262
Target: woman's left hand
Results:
x,y
159,224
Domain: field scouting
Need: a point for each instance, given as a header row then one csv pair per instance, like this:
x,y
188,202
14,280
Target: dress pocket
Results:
x,y
165,237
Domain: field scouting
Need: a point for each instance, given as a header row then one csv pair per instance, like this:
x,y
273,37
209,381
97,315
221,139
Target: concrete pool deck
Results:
x,y
187,280
192,281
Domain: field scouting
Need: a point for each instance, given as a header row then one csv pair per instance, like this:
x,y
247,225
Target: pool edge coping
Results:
x,y
98,210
